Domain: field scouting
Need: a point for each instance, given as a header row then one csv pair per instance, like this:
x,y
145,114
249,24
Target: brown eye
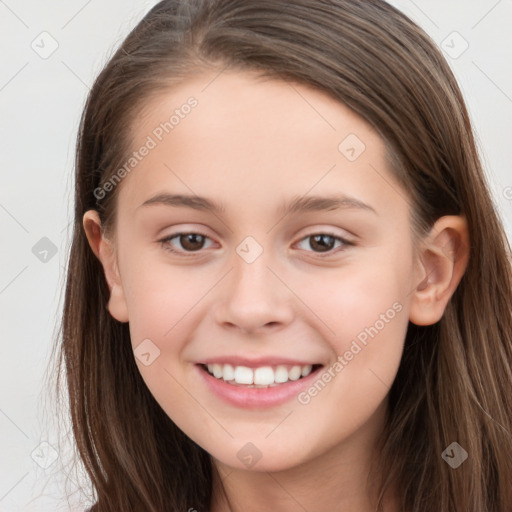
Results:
x,y
192,241
185,242
323,243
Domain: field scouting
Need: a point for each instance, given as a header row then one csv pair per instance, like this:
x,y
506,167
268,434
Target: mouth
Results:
x,y
265,376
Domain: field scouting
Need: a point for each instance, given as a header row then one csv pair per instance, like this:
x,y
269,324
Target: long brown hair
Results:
x,y
454,383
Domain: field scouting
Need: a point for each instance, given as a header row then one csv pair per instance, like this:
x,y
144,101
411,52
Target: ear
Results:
x,y
442,261
104,250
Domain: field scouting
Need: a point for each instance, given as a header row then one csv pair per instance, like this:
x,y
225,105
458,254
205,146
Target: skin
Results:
x,y
253,144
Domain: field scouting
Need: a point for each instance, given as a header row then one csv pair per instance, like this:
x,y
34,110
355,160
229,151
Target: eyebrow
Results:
x,y
296,205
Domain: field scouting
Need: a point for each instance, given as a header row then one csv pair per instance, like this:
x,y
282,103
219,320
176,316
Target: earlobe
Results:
x,y
104,250
442,262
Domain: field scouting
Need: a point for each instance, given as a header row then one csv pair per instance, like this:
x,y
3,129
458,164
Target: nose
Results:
x,y
255,297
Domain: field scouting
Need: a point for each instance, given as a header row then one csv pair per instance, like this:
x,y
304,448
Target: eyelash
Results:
x,y
165,242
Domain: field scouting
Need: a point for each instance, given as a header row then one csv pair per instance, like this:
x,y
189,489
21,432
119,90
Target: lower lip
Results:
x,y
256,398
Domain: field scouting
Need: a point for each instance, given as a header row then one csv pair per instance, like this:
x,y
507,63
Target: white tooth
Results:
x,y
217,371
244,375
264,376
229,372
210,368
306,370
294,373
281,375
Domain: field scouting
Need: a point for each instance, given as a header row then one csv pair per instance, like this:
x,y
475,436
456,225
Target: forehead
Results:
x,y
250,104
241,135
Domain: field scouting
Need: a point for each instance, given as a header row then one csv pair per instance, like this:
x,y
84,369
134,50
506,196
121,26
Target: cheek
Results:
x,y
162,303
369,317
159,297
364,317
358,296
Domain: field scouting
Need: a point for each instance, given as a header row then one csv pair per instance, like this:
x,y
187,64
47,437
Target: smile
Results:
x,y
258,386
263,376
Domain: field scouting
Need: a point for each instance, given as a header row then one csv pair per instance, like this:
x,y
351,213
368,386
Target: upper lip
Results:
x,y
256,362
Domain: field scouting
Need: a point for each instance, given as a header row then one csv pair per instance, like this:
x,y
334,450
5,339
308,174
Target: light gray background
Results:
x,y
41,100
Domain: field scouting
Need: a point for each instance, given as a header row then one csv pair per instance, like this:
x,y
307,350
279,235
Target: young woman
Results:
x,y
288,288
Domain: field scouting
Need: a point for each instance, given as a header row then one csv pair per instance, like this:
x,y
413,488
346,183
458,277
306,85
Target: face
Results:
x,y
264,239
